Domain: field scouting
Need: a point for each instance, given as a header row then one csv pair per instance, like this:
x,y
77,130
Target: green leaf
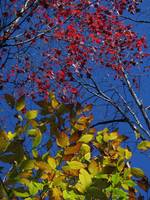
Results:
x,y
34,187
27,164
67,195
116,179
20,104
86,138
126,184
4,141
37,139
21,194
137,172
31,114
144,145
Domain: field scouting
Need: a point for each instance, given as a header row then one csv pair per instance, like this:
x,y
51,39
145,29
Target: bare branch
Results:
x,y
108,122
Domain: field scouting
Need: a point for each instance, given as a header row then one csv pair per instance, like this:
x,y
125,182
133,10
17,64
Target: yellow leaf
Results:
x,y
87,156
31,114
56,194
75,164
93,167
85,149
128,154
144,145
62,140
10,135
81,124
110,136
85,180
87,108
137,172
86,138
54,101
52,162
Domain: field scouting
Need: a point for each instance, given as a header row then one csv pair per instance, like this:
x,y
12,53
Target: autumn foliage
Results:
x,y
66,159
67,38
55,55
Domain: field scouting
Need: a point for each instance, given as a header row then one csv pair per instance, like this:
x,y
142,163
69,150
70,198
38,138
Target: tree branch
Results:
x,y
108,122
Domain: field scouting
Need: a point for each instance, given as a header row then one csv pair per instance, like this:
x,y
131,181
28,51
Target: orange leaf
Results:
x,y
74,137
62,140
72,149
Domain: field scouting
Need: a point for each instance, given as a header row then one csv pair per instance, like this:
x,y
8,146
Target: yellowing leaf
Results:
x,y
87,156
52,162
87,108
75,164
27,164
37,139
110,136
86,138
10,135
85,180
62,140
144,145
56,194
20,104
54,101
93,167
81,124
85,149
137,172
4,141
128,154
72,149
31,114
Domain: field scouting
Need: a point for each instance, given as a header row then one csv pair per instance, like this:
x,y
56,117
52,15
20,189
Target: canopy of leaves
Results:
x,y
73,162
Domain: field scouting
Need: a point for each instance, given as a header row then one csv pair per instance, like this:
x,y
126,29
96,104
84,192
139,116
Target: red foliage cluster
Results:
x,y
52,42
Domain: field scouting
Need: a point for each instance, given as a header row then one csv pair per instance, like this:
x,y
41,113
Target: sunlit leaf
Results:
x,y
75,164
144,145
115,179
86,138
54,101
126,184
52,162
21,194
56,193
110,136
128,154
31,114
85,180
34,187
81,124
